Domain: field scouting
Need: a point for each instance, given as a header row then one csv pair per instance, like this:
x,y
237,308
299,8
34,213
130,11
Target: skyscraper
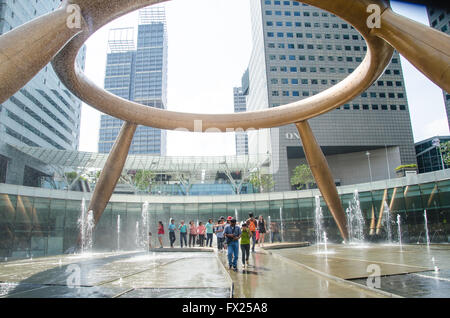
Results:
x,y
41,114
440,19
138,74
299,51
240,106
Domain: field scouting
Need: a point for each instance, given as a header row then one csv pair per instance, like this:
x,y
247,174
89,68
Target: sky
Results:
x,y
209,50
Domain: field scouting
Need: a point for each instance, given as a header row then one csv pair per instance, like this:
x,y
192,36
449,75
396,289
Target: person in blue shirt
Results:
x,y
209,232
172,232
183,233
219,233
232,233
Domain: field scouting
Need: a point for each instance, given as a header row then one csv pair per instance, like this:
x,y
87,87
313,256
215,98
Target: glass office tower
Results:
x,y
41,114
138,73
240,106
440,20
299,51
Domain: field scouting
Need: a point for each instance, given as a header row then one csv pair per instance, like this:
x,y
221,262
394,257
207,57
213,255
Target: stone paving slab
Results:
x,y
351,262
273,246
116,275
271,277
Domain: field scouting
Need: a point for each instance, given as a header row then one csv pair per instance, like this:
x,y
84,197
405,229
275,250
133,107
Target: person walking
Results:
x,y
262,230
183,232
225,245
219,233
160,233
192,233
209,232
232,233
245,244
172,237
252,227
201,229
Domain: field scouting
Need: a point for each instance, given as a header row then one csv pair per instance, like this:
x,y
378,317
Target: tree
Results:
x,y
301,176
445,151
262,182
144,179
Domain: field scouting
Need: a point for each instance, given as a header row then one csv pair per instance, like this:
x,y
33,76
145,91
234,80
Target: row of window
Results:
x,y
39,119
285,3
392,107
373,107
21,138
26,109
39,104
33,129
300,35
283,57
294,93
328,47
325,25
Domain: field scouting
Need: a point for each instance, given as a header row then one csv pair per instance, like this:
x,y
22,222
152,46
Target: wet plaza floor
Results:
x,y
132,274
289,271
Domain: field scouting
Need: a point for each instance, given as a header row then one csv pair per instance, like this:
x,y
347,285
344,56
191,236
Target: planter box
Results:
x,y
403,171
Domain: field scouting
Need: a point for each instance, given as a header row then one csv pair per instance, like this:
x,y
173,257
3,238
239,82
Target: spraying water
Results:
x,y
281,223
118,232
236,215
387,221
86,227
270,231
138,236
325,239
145,226
318,221
355,219
399,230
426,227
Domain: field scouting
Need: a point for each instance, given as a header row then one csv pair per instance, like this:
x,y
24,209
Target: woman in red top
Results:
x,y
160,233
192,233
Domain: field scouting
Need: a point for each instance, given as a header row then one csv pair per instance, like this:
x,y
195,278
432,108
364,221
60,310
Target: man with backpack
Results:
x,y
252,226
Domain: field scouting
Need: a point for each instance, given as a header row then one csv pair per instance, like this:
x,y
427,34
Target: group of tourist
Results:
x,y
197,233
228,233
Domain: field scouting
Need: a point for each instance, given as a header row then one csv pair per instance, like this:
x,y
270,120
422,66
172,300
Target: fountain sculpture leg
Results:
x,y
111,171
322,174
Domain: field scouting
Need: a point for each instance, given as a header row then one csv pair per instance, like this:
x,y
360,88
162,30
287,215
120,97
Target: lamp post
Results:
x,y
370,169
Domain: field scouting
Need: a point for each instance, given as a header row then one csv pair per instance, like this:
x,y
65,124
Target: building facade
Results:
x,y
440,20
54,229
240,105
429,156
138,74
299,51
44,113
